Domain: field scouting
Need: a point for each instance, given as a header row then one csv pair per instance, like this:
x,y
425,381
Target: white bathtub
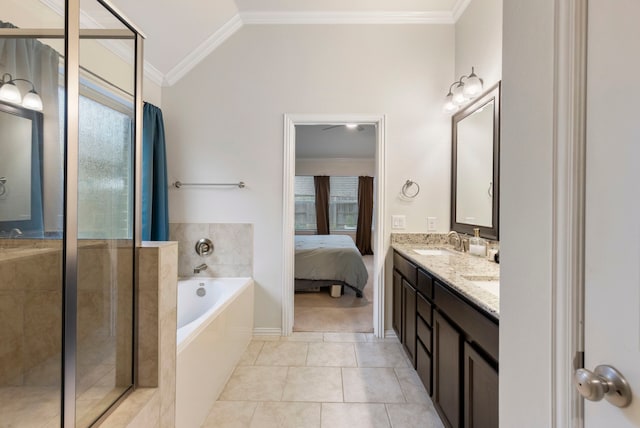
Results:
x,y
213,332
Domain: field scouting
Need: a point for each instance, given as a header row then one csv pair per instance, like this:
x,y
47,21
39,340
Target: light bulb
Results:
x,y
458,95
351,125
449,105
472,86
9,92
32,101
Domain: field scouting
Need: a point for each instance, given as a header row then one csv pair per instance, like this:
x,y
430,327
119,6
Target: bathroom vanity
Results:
x,y
446,315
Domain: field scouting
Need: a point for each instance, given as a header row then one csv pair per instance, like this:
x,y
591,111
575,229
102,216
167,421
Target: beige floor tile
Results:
x,y
413,415
304,336
371,385
283,354
254,383
286,415
345,337
230,414
381,354
315,384
251,353
354,415
269,338
412,387
324,354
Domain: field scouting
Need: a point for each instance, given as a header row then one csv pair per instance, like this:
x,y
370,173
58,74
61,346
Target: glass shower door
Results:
x,y
104,369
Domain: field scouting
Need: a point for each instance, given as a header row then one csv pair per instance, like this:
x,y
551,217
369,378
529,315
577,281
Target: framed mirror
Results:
x,y
20,170
475,166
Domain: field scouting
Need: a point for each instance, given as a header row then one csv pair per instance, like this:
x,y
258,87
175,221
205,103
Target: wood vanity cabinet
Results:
x,y
453,345
405,277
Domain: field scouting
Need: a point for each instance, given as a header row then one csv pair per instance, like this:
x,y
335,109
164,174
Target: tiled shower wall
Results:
x,y
233,248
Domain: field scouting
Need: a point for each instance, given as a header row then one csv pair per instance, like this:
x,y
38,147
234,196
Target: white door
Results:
x,y
612,253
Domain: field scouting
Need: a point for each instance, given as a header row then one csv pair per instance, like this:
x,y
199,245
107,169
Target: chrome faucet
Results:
x,y
458,244
200,268
15,233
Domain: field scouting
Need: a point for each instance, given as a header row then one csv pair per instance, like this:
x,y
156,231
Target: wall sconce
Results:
x,y
9,92
462,91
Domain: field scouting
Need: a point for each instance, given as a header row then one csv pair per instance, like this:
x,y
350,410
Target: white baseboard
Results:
x,y
390,333
266,331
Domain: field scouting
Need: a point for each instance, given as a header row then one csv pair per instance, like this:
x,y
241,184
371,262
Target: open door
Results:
x,y
612,218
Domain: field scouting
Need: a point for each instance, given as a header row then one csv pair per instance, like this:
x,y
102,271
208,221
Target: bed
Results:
x,y
324,260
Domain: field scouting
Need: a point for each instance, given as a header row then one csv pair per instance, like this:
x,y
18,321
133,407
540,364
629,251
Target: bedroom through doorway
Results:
x,y
334,180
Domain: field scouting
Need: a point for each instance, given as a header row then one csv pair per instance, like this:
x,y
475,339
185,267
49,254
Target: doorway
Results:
x,y
377,260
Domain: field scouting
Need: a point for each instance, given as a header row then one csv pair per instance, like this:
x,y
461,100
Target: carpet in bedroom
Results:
x,y
318,311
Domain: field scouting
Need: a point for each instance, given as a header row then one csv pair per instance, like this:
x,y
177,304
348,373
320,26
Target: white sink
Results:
x,y
488,283
432,252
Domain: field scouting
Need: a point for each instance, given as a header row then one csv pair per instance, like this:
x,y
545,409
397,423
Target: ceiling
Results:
x,y
180,34
336,142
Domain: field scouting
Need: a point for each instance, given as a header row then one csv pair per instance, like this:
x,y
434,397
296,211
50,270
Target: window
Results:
x,y
343,204
105,169
305,201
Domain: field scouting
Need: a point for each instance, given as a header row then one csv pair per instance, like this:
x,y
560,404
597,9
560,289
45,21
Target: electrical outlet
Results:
x,y
398,221
432,224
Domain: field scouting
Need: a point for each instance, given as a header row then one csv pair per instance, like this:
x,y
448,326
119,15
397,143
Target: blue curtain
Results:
x,y
155,198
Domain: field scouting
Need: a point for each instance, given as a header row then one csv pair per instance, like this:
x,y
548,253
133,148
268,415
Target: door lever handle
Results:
x,y
604,382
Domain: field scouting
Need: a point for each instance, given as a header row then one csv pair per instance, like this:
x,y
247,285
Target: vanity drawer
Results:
x,y
425,284
406,268
424,333
477,328
425,309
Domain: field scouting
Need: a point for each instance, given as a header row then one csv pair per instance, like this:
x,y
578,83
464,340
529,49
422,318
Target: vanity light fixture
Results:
x,y
462,90
9,92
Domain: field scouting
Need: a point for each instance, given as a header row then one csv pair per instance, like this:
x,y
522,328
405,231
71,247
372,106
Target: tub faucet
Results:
x,y
200,268
15,233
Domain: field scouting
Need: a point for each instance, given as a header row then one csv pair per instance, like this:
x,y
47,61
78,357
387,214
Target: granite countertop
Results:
x,y
463,272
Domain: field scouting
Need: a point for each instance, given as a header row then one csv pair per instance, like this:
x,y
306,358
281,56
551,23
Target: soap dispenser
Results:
x,y
477,245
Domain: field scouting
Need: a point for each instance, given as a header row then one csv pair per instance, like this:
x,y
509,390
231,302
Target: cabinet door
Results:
x,y
409,320
397,304
446,371
480,391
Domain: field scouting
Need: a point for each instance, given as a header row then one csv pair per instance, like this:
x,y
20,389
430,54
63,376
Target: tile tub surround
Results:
x,y
330,380
452,267
232,254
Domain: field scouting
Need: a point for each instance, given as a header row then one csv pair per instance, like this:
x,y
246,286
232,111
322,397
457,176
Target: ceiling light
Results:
x,y
9,92
351,125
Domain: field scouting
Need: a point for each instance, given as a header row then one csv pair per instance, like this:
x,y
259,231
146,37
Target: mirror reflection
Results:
x,y
20,171
475,169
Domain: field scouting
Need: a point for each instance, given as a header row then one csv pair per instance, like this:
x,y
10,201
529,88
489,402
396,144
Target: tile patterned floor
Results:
x,y
317,380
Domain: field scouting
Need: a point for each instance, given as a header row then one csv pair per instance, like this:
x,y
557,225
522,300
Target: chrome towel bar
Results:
x,y
179,184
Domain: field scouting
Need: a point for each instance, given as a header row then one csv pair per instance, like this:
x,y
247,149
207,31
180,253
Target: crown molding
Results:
x,y
153,74
203,50
280,18
458,9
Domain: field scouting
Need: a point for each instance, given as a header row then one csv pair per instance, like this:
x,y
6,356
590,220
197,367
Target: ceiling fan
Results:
x,y
347,125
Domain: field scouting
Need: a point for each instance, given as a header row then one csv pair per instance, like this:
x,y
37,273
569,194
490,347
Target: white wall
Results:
x,y
336,167
526,214
479,41
224,121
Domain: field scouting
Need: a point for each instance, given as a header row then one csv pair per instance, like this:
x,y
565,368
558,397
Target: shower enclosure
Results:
x,y
70,121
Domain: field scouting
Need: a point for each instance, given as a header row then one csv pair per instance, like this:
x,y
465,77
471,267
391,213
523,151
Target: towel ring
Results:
x,y
406,189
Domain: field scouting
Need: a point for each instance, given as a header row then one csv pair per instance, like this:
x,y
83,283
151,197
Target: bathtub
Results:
x,y
213,331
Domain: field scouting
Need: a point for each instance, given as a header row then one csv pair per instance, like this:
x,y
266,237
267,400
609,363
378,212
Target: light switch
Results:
x,y
432,224
398,221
